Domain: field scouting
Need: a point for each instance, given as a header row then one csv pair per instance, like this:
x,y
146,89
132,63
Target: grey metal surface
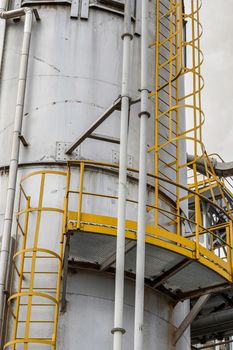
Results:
x,y
91,248
87,322
221,169
193,277
157,261
95,248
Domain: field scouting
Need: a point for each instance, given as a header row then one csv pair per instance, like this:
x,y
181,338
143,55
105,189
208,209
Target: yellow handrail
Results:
x,y
26,297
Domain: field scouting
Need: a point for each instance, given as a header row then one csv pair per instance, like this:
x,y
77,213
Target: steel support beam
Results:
x,y
190,317
168,274
104,138
116,106
112,258
215,345
23,140
65,272
197,293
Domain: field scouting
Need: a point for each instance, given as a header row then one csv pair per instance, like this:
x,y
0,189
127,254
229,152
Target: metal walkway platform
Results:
x,y
170,267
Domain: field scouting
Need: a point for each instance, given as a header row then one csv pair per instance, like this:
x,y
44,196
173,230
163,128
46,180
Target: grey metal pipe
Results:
x,y
13,168
142,189
3,8
221,169
14,13
118,329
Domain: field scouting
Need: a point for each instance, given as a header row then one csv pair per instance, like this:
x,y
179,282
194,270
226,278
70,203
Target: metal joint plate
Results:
x,y
61,148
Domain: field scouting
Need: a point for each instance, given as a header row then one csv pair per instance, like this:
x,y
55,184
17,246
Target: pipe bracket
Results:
x,y
118,329
145,89
127,96
127,34
144,113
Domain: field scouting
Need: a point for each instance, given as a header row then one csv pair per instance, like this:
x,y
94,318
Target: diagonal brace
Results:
x,y
112,258
168,274
190,317
116,106
94,126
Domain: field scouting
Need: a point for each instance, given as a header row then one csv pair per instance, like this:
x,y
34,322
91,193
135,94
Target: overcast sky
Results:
x,y
217,70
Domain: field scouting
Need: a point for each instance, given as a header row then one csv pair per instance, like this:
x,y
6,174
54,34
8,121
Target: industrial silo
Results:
x,y
94,163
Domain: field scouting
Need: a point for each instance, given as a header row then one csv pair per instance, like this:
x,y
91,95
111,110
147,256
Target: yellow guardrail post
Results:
x,y
66,199
228,249
80,197
231,245
21,268
197,219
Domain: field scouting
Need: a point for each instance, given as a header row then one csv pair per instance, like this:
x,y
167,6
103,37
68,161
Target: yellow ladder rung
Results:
x,y
44,305
169,12
168,38
167,112
172,163
168,61
40,273
41,321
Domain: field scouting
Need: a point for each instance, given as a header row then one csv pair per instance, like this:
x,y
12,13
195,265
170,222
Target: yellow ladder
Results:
x,y
169,56
35,297
179,59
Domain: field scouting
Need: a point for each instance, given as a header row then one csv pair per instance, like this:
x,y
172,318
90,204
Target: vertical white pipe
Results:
x,y
118,329
13,168
231,344
3,7
142,190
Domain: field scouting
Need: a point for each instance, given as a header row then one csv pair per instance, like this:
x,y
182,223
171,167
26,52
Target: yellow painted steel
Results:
x,y
155,235
26,295
92,224
177,59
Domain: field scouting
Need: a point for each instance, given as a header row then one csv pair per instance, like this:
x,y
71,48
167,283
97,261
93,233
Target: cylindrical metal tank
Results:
x,y
74,75
90,308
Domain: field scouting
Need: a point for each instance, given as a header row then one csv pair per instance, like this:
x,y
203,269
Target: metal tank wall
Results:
x,y
89,314
74,74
